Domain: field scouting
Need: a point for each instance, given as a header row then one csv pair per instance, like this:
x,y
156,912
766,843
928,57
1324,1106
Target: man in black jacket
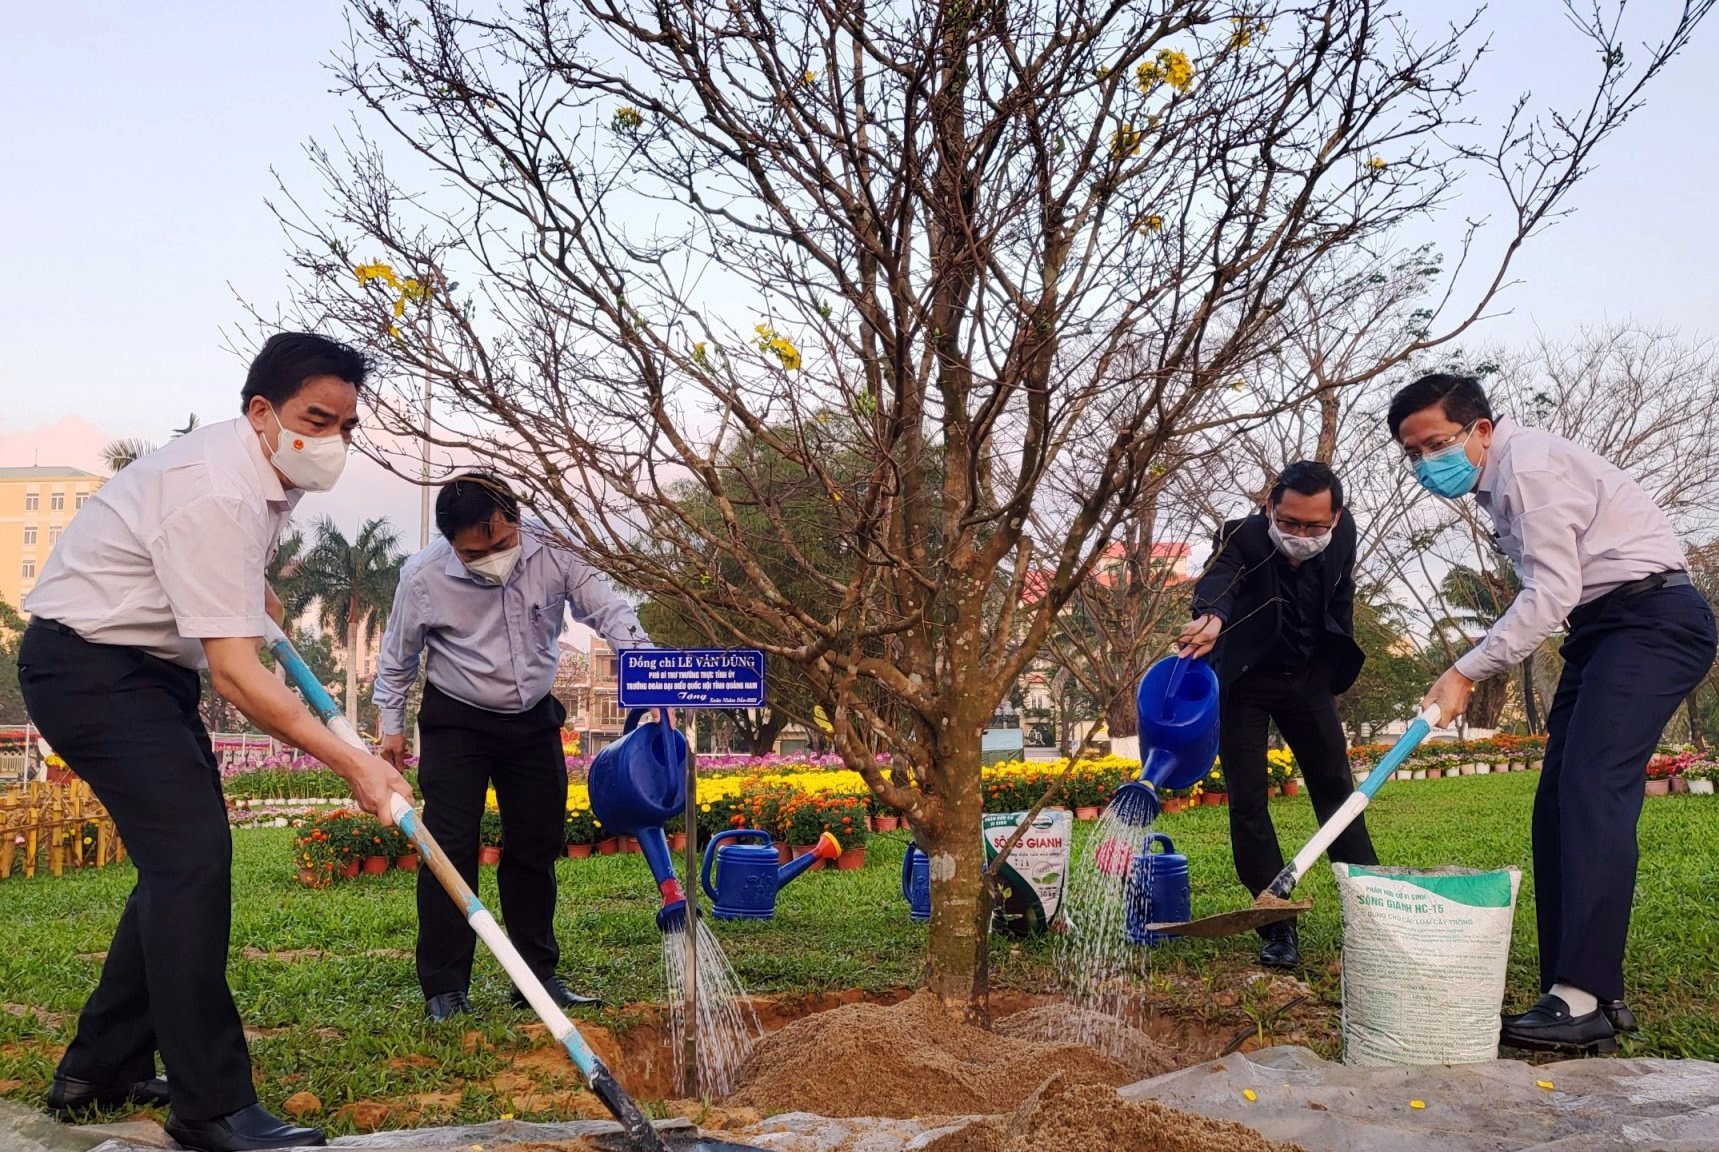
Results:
x,y
1276,610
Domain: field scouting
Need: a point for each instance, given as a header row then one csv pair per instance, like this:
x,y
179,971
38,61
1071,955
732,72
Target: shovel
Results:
x,y
1274,903
638,1134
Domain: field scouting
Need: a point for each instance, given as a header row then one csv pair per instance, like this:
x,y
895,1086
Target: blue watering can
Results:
x,y
916,883
638,784
747,874
1178,709
1158,891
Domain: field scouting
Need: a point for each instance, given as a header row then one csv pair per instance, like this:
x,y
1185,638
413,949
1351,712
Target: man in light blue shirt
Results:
x,y
483,607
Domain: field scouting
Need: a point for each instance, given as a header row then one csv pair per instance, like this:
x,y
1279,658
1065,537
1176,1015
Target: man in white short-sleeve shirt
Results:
x,y
161,573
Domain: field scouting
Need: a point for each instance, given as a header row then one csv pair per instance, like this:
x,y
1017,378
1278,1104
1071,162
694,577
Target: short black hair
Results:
x,y
472,498
288,359
1310,478
1461,398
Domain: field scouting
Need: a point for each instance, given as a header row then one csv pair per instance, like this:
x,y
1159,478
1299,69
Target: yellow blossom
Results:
x,y
1171,67
809,76
779,346
627,119
1150,223
1377,164
377,271
1244,31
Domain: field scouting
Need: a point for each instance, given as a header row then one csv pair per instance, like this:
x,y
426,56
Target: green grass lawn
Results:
x,y
347,1024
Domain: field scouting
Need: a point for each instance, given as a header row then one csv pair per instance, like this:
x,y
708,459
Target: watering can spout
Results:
x,y
827,848
1178,710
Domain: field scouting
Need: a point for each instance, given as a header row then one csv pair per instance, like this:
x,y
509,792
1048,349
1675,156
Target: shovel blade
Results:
x,y
1234,923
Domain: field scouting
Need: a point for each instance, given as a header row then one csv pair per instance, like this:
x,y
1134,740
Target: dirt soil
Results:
x,y
1142,1055
908,1060
1064,1116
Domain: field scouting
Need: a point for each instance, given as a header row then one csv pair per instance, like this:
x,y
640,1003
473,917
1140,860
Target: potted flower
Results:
x,y
1213,790
803,821
579,829
1660,770
345,830
884,819
374,849
1083,793
401,850
1701,775
317,857
675,829
844,818
489,838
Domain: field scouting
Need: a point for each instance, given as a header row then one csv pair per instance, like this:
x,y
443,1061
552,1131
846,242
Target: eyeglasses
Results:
x,y
1415,455
1302,527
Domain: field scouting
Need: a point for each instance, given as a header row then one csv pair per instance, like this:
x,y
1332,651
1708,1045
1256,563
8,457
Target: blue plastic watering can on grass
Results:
x,y
1178,708
1158,891
748,876
916,883
638,784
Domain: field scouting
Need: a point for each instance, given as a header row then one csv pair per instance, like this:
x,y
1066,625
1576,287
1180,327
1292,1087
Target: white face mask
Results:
x,y
312,463
1297,548
496,567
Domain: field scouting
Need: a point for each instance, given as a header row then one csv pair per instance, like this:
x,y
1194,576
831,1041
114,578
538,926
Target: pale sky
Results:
x,y
139,140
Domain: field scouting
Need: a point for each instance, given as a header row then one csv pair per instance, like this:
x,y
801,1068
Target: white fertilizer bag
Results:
x,y
1425,953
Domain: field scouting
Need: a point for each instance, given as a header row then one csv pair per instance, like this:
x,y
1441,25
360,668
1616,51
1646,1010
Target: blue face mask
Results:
x,y
1448,472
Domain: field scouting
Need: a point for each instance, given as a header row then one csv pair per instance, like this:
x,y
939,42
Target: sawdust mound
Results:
x,y
1136,1051
1067,1117
904,1061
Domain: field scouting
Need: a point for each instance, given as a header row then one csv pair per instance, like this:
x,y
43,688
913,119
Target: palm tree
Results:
x,y
287,576
352,583
1476,600
128,449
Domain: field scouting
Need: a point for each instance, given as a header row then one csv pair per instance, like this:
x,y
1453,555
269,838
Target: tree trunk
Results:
x,y
352,671
1530,704
761,739
1122,717
958,945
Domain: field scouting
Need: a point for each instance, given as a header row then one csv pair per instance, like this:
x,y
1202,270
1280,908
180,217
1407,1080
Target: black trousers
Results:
x,y
1629,661
465,750
1305,712
127,724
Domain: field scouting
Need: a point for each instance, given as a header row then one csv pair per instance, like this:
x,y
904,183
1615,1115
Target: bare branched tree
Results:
x,y
1004,255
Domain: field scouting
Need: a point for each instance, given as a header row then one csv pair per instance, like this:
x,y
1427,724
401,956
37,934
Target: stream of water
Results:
x,y
1096,966
726,1025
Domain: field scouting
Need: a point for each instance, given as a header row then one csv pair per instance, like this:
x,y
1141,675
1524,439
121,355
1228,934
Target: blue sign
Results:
x,y
691,678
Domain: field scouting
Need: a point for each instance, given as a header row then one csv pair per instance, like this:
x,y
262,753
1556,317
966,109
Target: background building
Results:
x,y
36,504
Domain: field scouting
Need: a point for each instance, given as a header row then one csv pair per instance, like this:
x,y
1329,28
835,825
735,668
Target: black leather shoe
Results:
x,y
68,1094
1281,947
1623,1020
242,1131
446,1005
563,996
1549,1027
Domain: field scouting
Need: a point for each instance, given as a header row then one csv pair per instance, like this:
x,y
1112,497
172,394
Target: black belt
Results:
x,y
1676,578
52,626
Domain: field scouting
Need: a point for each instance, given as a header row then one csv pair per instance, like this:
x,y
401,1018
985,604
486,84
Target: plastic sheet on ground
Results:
x,y
497,1136
1498,1106
1640,1105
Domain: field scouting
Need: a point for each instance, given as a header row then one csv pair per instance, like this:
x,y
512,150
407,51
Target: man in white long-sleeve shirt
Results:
x,y
1593,549
484,605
